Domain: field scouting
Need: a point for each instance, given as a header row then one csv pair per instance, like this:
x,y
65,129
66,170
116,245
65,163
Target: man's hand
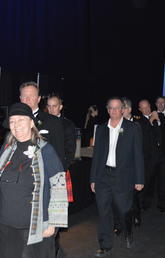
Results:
x,y
93,187
154,116
139,187
49,231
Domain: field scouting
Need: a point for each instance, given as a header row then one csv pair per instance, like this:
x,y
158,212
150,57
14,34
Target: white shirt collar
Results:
x,y
36,110
163,112
147,116
117,127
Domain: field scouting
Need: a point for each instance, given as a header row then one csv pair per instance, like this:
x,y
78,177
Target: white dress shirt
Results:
x,y
113,137
147,116
35,112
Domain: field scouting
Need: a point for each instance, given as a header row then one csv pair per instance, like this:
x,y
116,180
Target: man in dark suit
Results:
x,y
49,126
136,209
152,144
55,106
160,104
117,169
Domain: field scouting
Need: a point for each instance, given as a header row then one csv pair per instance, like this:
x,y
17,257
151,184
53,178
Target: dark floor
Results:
x,y
80,241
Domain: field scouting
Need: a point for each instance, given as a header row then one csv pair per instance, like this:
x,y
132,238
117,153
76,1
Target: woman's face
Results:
x,y
20,127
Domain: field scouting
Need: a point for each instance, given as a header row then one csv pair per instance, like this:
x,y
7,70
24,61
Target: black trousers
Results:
x,y
13,244
147,194
107,198
154,180
161,183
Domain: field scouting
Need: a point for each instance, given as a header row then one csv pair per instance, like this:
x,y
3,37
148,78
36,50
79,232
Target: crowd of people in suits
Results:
x,y
128,168
128,165
152,126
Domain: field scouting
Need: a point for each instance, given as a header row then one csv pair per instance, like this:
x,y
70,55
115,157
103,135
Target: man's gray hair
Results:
x,y
114,98
31,83
127,102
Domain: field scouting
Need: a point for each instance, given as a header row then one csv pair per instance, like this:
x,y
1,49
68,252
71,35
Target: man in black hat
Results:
x,y
50,127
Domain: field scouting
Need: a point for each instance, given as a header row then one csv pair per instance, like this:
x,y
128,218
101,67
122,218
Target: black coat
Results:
x,y
152,138
53,132
129,156
69,140
162,129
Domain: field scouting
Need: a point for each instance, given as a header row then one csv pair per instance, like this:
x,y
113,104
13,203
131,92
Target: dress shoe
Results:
x,y
117,231
103,252
129,241
137,221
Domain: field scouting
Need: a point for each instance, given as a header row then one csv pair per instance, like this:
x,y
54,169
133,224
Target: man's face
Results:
x,y
54,106
127,111
160,104
144,107
115,109
29,96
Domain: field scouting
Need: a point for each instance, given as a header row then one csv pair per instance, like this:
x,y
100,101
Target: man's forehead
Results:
x,y
53,104
115,102
144,103
29,89
53,101
160,100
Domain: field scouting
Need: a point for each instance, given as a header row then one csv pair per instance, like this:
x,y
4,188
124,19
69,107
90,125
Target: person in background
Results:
x,y
33,195
117,169
55,107
90,121
152,145
49,126
160,104
136,209
127,114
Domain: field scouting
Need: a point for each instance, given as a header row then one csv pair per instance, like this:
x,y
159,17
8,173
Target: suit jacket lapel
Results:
x,y
106,141
120,140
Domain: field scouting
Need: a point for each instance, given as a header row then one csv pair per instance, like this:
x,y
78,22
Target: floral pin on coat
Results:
x,y
39,122
30,152
121,131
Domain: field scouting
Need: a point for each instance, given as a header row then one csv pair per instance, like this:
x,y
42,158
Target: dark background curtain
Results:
x,y
44,36
87,50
